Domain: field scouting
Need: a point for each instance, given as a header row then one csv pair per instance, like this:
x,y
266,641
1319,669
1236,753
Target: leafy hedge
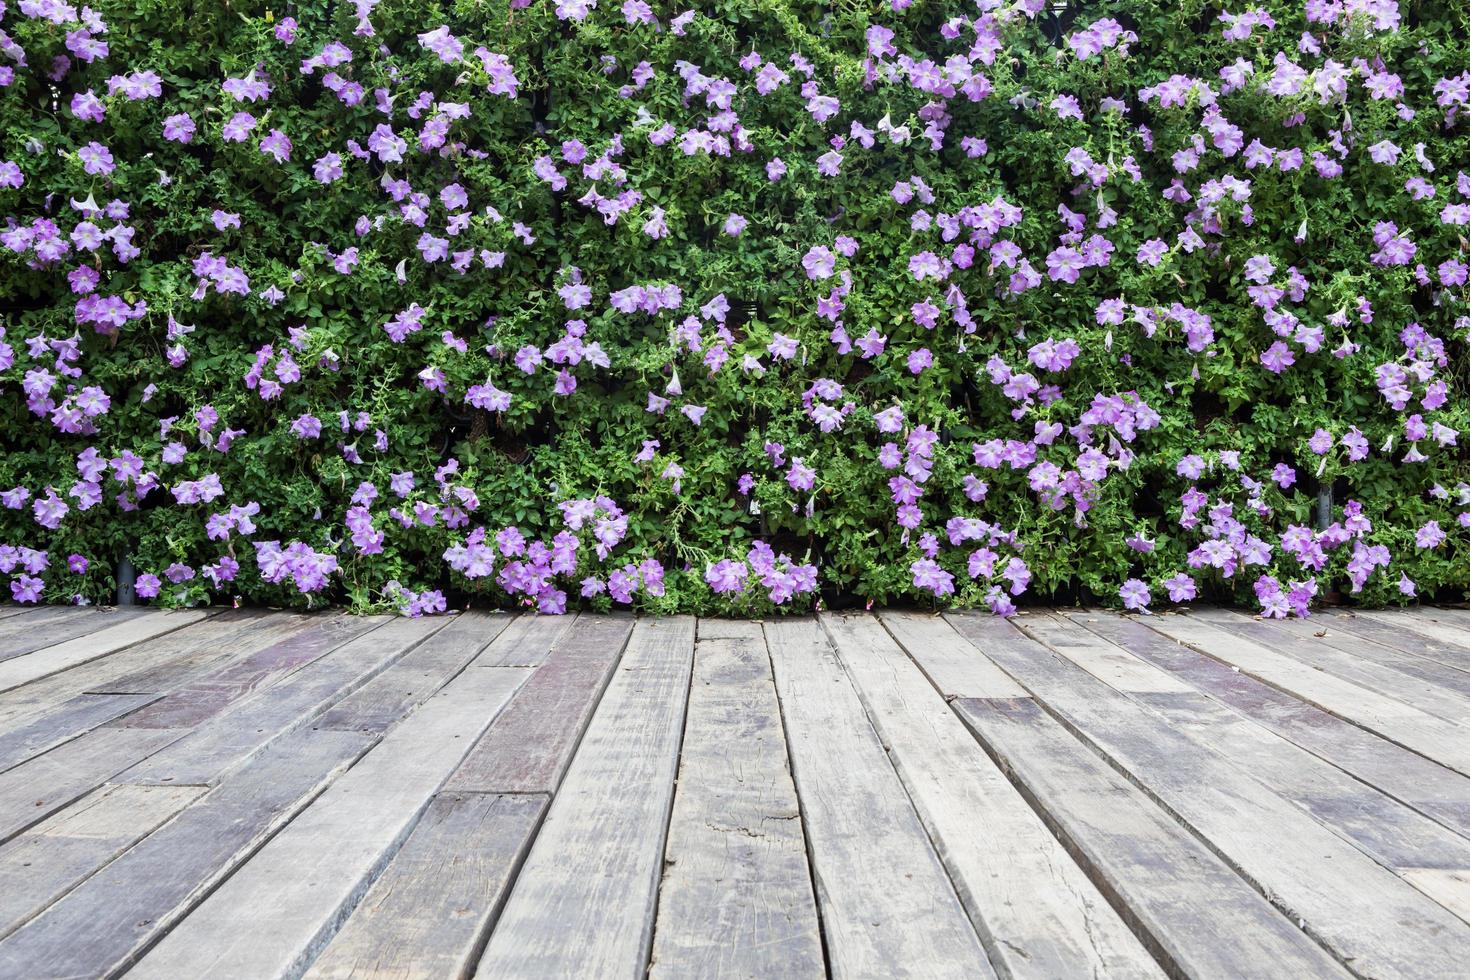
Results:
x,y
410,304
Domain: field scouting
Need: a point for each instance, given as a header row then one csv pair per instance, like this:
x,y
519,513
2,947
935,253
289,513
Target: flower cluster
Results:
x,y
728,309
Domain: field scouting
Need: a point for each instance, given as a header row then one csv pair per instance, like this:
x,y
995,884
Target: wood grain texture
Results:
x,y
1427,694
1197,915
1392,834
66,721
583,905
274,916
1405,776
1432,737
530,745
39,787
399,690
1367,914
949,661
28,636
109,639
528,641
1032,905
1450,627
428,916
216,689
736,898
850,796
1411,653
233,737
45,862
106,922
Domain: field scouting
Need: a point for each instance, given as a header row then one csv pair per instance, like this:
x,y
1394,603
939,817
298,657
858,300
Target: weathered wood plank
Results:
x,y
736,898
583,904
39,635
25,619
430,912
34,790
532,647
215,690
45,862
110,639
1447,626
1198,916
1371,917
1376,634
870,896
231,738
952,665
413,679
106,922
1391,681
180,657
528,748
1033,907
67,721
1431,736
1392,834
276,914
1406,776
9,610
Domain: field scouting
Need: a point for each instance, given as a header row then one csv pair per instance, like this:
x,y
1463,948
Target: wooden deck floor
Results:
x,y
1077,794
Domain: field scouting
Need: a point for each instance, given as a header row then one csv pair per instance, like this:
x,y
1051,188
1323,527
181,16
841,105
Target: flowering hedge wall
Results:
x,y
560,302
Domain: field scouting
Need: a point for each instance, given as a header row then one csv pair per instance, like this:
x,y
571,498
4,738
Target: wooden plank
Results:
x,y
583,904
876,872
952,665
530,745
230,739
736,897
1033,907
47,861
1368,915
1418,664
1430,736
34,617
102,926
541,635
1391,681
9,610
1397,636
276,914
33,636
1392,834
180,657
1446,626
1195,913
1413,780
429,914
134,629
33,791
215,690
69,720
413,679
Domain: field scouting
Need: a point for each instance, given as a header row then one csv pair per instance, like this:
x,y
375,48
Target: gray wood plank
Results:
x,y
216,689
67,721
532,647
1034,908
1432,789
583,905
33,635
105,923
34,790
1431,736
736,898
1447,626
413,679
231,738
277,912
9,610
45,862
219,635
871,897
530,745
1426,694
430,913
1199,917
1371,917
1375,635
25,619
109,639
1392,834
